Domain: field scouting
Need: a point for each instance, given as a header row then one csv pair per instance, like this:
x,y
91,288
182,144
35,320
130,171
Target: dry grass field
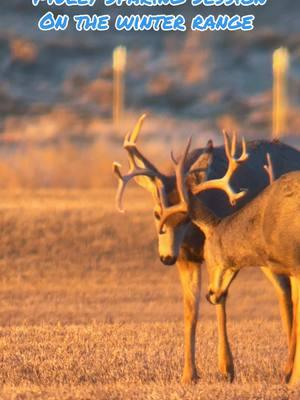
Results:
x,y
88,312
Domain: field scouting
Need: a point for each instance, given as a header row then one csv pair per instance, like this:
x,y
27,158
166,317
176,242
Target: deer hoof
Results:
x,y
287,373
229,377
286,379
189,378
228,374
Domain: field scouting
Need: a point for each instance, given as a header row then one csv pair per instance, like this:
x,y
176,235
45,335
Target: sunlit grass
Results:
x,y
88,312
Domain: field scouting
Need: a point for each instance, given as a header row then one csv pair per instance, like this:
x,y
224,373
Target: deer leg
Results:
x,y
293,336
225,359
282,287
293,364
190,276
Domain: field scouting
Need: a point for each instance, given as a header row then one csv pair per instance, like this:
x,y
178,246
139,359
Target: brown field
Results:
x,y
88,312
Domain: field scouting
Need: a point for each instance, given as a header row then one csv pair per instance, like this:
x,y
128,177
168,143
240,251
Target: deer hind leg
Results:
x,y
293,335
225,359
190,276
294,356
282,287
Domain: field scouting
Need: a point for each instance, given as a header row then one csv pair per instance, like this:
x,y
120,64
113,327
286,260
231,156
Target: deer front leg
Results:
x,y
190,276
225,359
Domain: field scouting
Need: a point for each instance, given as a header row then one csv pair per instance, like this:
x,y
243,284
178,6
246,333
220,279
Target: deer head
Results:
x,y
189,183
163,190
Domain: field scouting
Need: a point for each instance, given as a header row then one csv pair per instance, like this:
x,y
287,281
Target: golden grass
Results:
x,y
65,165
88,312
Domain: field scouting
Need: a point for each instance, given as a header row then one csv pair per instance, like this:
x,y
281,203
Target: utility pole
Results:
x,y
119,67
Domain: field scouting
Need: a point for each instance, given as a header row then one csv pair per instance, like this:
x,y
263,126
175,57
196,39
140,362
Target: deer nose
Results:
x,y
168,260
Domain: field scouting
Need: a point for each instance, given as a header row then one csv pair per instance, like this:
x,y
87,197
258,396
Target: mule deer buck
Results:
x,y
182,241
264,233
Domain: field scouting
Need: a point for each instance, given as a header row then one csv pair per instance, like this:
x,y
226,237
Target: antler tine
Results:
x,y
180,175
244,156
269,168
173,158
135,133
121,186
133,151
131,160
226,143
130,145
131,137
233,164
183,205
233,144
124,179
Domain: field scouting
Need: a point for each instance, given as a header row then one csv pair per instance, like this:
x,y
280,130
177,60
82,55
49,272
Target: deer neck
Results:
x,y
238,240
203,217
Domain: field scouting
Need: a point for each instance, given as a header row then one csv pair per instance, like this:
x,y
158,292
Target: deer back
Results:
x,y
250,175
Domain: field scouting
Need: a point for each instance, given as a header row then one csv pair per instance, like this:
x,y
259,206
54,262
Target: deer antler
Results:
x,y
269,168
223,183
124,179
139,165
233,164
183,206
173,158
130,145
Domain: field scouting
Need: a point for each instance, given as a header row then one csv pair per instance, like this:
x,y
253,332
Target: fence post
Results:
x,y
280,97
119,66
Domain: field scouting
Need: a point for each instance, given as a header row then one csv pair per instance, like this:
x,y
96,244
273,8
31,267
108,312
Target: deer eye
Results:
x,y
156,215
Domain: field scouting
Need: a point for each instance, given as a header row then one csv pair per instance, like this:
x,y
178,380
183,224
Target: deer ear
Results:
x,y
149,185
199,170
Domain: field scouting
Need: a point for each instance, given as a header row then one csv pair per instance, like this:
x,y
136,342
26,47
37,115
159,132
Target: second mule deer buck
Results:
x,y
264,233
182,241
